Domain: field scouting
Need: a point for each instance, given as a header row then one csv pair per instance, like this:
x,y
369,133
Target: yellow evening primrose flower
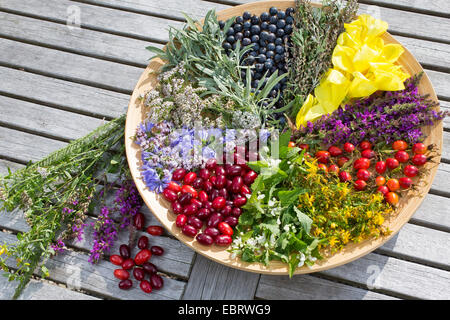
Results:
x,y
362,65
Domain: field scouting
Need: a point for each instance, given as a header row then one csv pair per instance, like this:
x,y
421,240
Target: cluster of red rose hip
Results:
x,y
400,162
211,197
140,263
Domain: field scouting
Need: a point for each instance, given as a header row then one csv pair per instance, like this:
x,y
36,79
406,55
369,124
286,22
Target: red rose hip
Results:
x,y
145,286
116,259
121,274
142,256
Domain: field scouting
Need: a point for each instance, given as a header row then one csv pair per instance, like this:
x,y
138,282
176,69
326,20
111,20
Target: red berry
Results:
x,y
214,220
155,230
145,286
175,187
240,201
333,168
181,220
220,181
125,251
203,213
142,242
380,167
342,161
380,181
211,164
190,209
348,147
204,173
196,202
365,145
360,185
419,148
116,259
142,256
223,240
149,268
203,196
189,230
383,189
189,189
361,163
323,156
410,171
156,281
205,239
232,221
392,198
335,151
344,176
139,274
236,184
250,177
363,174
157,250
419,159
400,145
303,146
225,228
220,171
368,153
139,220
178,174
405,182
392,163
219,203
185,198
402,156
323,167
125,284
170,195
177,207
245,190
393,184
198,183
121,274
189,178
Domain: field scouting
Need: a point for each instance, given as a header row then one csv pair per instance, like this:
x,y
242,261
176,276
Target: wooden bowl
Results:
x,y
160,207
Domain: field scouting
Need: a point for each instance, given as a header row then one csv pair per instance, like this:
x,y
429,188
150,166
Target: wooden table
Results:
x,y
66,66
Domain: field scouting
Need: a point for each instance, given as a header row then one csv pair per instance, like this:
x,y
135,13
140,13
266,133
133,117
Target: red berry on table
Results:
x,y
410,171
360,185
116,259
393,184
125,251
125,284
368,153
392,163
400,145
419,159
361,163
402,156
156,281
335,151
419,148
225,228
380,167
380,181
139,274
348,147
157,250
175,187
142,256
344,176
189,189
342,161
365,145
178,174
145,286
383,189
405,182
169,195
121,274
189,178
142,242
139,220
323,156
363,174
392,198
155,230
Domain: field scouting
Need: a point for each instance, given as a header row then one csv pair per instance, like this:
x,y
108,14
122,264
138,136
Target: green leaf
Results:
x,y
272,226
246,218
304,220
289,197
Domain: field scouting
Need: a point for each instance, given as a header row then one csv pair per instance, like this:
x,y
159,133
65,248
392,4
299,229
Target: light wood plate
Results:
x,y
160,207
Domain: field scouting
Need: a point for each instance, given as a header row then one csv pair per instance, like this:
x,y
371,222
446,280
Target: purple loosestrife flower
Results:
x,y
105,235
381,118
59,246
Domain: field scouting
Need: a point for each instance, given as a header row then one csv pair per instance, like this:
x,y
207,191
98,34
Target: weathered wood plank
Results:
x,y
94,17
25,146
69,66
210,280
62,94
5,164
421,245
307,287
441,183
394,277
78,40
40,290
439,7
73,269
433,213
44,120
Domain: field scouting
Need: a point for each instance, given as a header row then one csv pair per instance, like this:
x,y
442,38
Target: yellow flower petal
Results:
x,y
361,86
362,58
342,58
332,90
391,52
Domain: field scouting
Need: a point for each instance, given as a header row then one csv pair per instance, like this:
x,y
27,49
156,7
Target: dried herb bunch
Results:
x,y
314,37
